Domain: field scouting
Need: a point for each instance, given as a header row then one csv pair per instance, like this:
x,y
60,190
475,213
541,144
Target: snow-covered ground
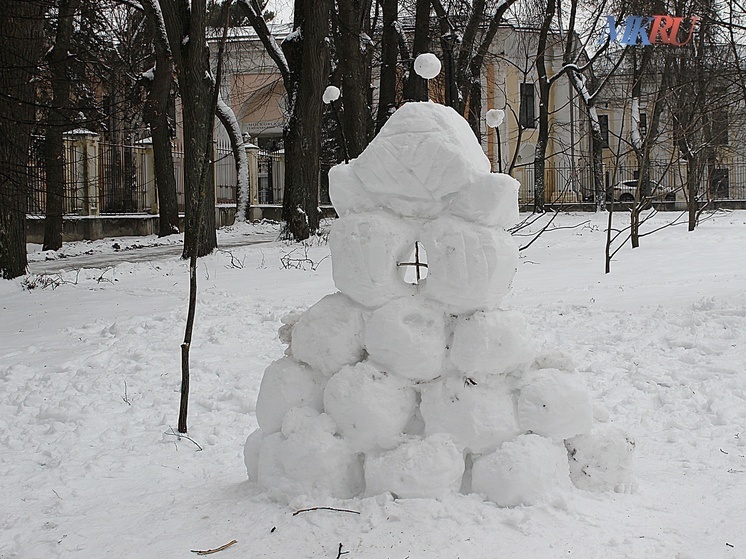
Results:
x,y
89,384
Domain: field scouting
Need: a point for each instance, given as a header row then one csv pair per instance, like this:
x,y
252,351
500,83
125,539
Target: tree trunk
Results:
x,y
58,120
474,115
354,76
185,26
415,87
389,50
543,132
21,42
155,114
692,179
308,58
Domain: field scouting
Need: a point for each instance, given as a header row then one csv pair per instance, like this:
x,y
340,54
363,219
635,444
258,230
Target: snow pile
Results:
x,y
411,381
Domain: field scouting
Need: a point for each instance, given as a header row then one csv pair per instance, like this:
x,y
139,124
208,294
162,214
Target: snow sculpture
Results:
x,y
411,380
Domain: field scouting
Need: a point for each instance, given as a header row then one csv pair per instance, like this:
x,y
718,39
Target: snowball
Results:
x,y
469,266
419,468
251,450
554,358
407,337
479,418
491,199
491,343
313,463
494,117
331,93
427,65
371,408
329,335
554,404
602,460
365,250
424,152
285,332
347,191
287,384
302,420
525,471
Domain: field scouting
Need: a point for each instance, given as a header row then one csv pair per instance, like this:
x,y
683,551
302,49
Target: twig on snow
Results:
x,y
340,552
125,398
180,436
211,551
235,262
296,513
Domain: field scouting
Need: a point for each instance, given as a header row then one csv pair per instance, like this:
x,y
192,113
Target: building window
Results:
x,y
643,124
527,111
603,121
719,127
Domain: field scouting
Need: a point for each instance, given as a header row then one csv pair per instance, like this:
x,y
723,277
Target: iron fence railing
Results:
x,y
271,177
566,184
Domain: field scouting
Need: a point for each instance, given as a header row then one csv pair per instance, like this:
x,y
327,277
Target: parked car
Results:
x,y
624,192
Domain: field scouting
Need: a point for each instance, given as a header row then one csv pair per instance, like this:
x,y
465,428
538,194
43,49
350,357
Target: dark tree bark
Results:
x,y
307,56
58,121
303,62
353,59
463,68
389,53
185,25
21,41
415,87
155,115
543,131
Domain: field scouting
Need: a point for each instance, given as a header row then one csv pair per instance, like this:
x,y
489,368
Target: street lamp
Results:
x,y
494,118
331,94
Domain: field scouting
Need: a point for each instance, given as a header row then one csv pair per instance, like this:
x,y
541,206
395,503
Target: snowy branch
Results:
x,y
228,119
253,11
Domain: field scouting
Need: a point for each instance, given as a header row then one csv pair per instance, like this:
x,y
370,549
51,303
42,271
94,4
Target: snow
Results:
x,y
242,165
410,166
659,342
408,337
371,407
494,117
427,65
526,471
331,94
491,343
393,379
330,335
287,384
554,404
419,468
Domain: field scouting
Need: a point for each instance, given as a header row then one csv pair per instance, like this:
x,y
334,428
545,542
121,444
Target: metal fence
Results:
x,y
124,178
225,174
271,177
108,178
565,184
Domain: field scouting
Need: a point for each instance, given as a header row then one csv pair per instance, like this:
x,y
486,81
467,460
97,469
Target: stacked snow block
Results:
x,y
421,387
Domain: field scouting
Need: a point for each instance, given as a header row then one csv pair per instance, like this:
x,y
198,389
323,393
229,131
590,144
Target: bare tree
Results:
x,y
21,47
354,51
159,84
58,122
303,62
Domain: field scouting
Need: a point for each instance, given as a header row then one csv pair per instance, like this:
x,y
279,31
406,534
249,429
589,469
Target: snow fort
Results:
x,y
411,380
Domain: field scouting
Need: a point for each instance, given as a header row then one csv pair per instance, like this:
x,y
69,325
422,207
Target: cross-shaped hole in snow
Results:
x,y
415,265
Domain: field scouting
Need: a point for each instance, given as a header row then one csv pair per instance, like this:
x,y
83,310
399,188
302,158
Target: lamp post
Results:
x,y
427,66
331,94
494,118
